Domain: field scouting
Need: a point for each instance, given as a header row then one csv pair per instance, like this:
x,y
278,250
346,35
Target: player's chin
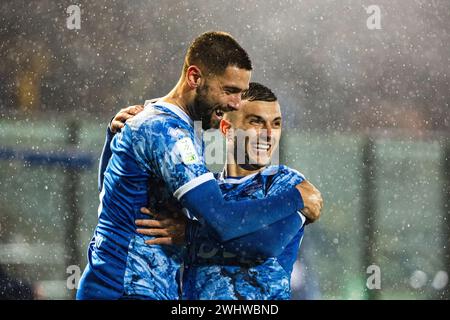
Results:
x,y
260,158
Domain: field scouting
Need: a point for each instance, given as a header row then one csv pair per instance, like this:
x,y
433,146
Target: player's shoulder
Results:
x,y
157,121
282,172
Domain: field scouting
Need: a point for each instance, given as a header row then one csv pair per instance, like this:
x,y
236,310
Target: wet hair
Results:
x,y
258,92
215,51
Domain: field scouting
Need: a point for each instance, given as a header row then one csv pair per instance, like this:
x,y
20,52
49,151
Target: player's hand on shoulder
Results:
x,y
123,115
312,199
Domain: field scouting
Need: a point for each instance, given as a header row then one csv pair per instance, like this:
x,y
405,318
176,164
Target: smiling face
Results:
x,y
218,94
260,121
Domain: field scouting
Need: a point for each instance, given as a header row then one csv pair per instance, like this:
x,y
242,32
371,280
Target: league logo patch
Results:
x,y
187,151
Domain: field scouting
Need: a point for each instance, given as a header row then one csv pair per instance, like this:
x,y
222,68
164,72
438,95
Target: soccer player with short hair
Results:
x,y
213,270
157,159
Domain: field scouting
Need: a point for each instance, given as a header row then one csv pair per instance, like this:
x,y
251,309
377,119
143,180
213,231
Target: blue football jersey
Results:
x,y
156,158
211,273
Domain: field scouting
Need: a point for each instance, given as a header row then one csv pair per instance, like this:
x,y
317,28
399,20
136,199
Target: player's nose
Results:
x,y
266,133
269,131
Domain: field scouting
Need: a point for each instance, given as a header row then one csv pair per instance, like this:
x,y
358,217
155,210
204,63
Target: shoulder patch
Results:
x,y
186,148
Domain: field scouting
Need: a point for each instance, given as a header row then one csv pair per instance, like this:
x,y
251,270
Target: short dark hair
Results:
x,y
215,51
258,92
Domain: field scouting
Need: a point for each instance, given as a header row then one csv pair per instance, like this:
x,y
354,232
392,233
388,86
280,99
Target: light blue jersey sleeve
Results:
x,y
171,152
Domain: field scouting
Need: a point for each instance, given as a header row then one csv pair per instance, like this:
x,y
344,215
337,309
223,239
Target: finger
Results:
x,y
116,126
134,110
155,223
153,232
150,223
120,117
123,117
118,123
147,211
160,241
307,212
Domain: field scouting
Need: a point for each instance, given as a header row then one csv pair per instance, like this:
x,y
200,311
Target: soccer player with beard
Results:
x,y
157,159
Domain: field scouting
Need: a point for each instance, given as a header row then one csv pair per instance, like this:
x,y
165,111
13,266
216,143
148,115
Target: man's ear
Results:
x,y
224,127
193,76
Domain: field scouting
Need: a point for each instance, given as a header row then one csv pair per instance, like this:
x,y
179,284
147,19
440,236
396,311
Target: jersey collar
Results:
x,y
172,108
235,180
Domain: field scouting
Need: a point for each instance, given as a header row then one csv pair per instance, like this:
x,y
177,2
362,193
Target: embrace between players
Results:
x,y
167,227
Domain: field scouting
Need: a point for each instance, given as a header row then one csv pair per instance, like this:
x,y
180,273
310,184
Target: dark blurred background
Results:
x,y
366,118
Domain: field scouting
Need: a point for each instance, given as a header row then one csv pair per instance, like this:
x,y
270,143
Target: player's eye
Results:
x,y
232,90
256,121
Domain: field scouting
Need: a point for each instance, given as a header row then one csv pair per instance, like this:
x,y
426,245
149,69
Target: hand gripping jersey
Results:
x,y
212,273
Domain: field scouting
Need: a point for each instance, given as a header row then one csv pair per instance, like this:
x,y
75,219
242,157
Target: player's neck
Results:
x,y
180,96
